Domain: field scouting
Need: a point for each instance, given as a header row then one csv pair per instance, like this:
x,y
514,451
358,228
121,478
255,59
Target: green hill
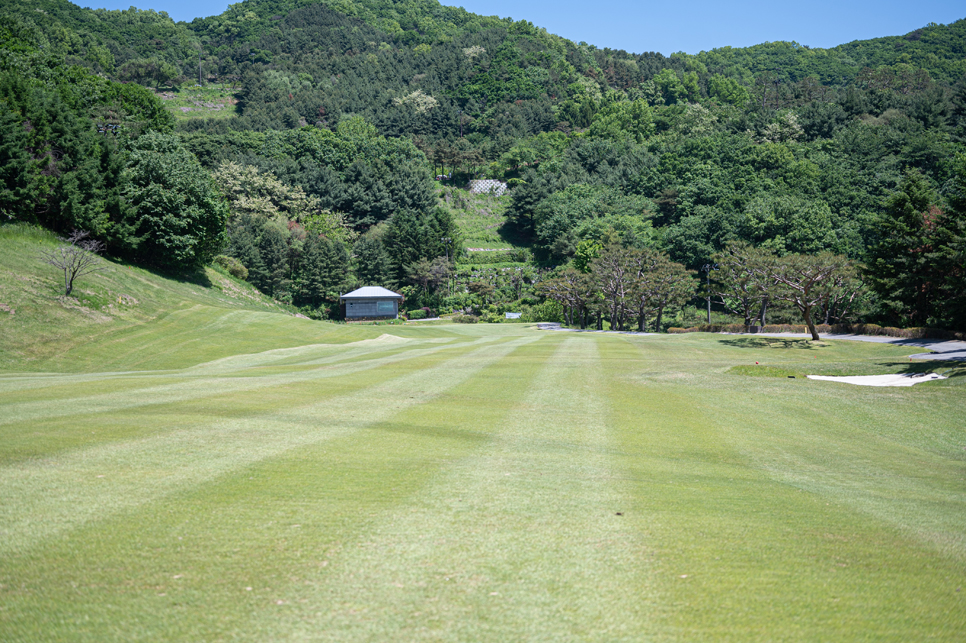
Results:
x,y
128,318
318,129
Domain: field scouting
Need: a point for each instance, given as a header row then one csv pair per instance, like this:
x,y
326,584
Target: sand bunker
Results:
x,y
882,380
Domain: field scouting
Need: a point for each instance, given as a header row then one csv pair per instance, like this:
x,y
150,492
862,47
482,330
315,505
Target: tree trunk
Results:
x,y
807,314
657,322
600,322
764,309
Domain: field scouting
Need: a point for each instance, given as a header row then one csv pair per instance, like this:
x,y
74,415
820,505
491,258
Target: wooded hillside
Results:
x,y
302,138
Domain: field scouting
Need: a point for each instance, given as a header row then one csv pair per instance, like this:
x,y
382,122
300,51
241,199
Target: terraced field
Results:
x,y
467,483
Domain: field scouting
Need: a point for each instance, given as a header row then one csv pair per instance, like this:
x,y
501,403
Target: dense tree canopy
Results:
x,y
345,112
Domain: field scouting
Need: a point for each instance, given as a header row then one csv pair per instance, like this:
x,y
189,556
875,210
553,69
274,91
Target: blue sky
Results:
x,y
689,25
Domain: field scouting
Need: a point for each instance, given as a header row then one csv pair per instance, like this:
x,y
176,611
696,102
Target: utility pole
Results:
x,y
446,241
707,268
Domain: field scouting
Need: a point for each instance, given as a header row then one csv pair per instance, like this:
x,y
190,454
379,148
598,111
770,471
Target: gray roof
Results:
x,y
371,292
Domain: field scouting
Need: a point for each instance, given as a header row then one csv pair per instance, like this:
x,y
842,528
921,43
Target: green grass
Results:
x,y
230,472
480,217
194,101
125,317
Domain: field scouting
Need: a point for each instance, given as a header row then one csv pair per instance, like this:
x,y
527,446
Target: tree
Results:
x,y
323,269
178,218
429,275
372,266
804,281
614,274
741,282
841,295
273,249
659,284
76,259
411,236
573,290
587,251
902,267
481,289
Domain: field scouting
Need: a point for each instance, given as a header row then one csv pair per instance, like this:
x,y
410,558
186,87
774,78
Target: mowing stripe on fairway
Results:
x,y
888,480
748,552
11,383
213,384
42,498
519,541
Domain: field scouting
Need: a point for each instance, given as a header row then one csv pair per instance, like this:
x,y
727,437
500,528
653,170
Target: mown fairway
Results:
x,y
478,483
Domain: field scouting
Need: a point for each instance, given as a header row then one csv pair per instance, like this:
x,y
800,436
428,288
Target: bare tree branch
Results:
x,y
76,259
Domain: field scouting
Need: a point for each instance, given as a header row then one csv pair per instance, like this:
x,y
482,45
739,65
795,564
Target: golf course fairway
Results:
x,y
459,482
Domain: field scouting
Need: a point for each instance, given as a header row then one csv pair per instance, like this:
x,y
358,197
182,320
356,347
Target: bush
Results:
x,y
232,266
419,313
465,319
548,311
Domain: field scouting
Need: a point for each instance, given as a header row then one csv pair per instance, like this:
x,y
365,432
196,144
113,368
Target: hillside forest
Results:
x,y
313,147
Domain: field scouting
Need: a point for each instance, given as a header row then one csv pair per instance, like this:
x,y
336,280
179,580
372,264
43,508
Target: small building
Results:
x,y
371,302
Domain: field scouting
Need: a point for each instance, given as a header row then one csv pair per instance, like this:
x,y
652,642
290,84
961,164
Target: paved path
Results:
x,y
559,326
943,349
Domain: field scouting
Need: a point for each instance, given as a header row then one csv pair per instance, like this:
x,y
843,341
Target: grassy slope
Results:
x,y
480,217
193,101
464,483
129,318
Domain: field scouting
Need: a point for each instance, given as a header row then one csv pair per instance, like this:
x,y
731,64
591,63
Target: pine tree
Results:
x,y
902,267
274,253
372,265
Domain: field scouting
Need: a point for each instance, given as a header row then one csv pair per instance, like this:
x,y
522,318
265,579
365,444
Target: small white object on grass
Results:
x,y
882,380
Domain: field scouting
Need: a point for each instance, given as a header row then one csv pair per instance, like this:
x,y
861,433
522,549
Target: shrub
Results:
x,y
465,319
548,311
419,313
232,266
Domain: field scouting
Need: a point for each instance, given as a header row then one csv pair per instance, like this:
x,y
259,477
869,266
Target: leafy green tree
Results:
x,y
243,246
728,90
145,70
624,120
573,290
587,251
177,218
614,274
658,284
805,281
742,281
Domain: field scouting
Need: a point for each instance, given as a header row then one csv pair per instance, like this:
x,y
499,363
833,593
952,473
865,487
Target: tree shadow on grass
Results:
x,y
771,342
921,367
195,276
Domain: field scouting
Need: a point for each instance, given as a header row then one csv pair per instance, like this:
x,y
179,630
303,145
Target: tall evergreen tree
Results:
x,y
273,249
372,265
902,266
